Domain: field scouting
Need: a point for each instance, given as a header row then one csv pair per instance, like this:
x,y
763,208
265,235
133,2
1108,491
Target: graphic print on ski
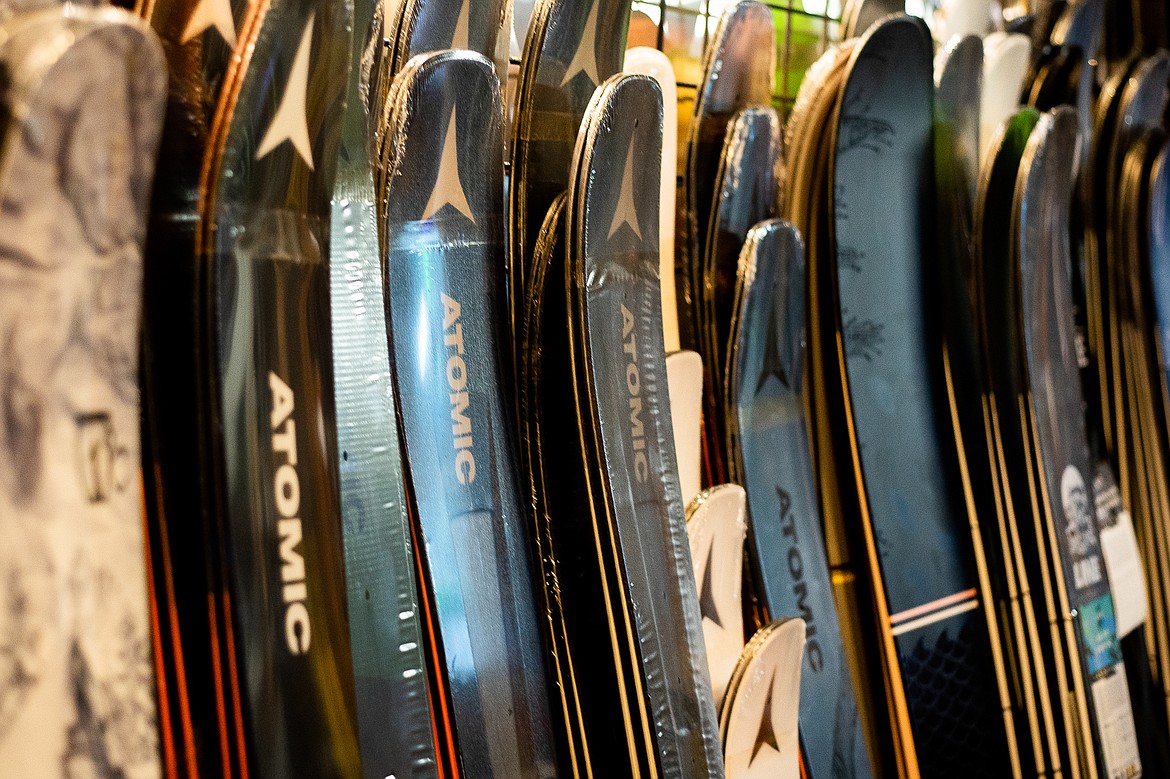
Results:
x,y
1061,445
768,438
934,636
392,696
615,306
77,151
263,238
571,48
448,335
738,72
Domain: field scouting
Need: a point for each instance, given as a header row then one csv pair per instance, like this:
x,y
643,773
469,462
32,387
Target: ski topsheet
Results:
x,y
77,692
615,306
739,69
716,527
908,473
759,720
1061,447
263,239
431,25
389,666
769,439
444,276
571,48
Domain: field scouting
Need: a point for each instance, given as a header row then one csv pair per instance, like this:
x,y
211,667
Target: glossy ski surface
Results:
x,y
932,607
770,438
444,276
77,150
263,239
390,671
613,267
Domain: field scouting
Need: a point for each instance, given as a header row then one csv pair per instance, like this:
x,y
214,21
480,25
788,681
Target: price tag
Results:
x,y
1126,578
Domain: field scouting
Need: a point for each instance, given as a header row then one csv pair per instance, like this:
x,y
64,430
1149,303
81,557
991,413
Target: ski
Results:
x,y
615,307
858,16
745,194
262,241
1060,445
431,25
759,721
77,686
933,613
768,437
576,621
738,72
571,48
716,527
449,346
190,579
390,668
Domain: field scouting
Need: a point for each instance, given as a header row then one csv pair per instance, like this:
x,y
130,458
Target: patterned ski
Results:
x,y
390,668
615,305
262,240
739,68
83,106
448,333
908,473
716,527
769,441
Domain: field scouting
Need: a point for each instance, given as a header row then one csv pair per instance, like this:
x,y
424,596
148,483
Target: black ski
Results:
x,y
389,664
77,151
263,240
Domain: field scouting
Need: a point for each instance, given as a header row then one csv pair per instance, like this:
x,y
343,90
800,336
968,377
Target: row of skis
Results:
x,y
357,421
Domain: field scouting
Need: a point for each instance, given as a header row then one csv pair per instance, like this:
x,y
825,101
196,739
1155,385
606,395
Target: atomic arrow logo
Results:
x,y
211,13
459,37
290,122
585,60
766,735
707,607
448,189
626,213
773,354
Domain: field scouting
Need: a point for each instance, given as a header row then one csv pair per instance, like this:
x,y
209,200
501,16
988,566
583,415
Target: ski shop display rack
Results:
x,y
443,389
